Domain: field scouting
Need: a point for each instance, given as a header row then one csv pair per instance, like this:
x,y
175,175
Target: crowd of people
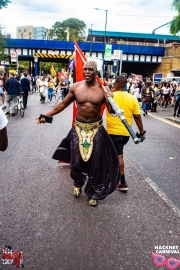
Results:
x,y
152,95
13,85
130,94
46,85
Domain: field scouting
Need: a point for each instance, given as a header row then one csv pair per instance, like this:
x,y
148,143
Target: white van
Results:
x,y
169,79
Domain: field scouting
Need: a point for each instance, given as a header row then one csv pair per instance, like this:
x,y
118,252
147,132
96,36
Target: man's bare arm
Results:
x,y
108,105
3,139
138,120
60,106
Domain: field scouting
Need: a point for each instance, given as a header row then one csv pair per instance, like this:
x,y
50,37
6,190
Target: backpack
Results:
x,y
177,95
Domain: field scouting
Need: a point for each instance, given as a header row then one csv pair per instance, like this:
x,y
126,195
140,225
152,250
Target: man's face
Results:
x,y
89,72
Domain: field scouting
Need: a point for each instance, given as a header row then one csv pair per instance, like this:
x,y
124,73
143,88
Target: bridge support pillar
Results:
x,y
115,64
31,64
36,66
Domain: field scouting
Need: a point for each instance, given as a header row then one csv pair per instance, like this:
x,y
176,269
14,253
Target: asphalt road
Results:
x,y
159,156
55,231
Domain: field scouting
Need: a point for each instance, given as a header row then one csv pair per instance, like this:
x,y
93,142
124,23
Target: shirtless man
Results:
x,y
88,148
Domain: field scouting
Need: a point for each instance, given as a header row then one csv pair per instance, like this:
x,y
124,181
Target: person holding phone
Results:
x,y
88,147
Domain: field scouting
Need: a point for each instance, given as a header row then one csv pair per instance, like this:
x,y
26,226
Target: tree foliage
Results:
x,y
45,67
4,3
175,23
3,56
70,29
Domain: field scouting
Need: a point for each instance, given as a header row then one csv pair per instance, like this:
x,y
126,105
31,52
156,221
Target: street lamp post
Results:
x,y
105,28
91,41
17,63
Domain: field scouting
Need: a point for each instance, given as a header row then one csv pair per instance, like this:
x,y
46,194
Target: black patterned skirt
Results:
x,y
102,168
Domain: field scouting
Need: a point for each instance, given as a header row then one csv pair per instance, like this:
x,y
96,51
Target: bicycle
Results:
x,y
57,96
19,105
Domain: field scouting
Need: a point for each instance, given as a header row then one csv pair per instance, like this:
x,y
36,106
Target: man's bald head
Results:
x,y
121,80
120,83
90,64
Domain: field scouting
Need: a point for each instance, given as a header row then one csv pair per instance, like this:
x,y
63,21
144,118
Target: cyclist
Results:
x,y
25,85
12,87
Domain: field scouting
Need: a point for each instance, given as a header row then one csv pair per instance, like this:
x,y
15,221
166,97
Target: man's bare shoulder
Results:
x,y
78,84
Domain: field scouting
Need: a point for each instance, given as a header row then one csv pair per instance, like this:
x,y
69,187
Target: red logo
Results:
x,y
14,258
161,260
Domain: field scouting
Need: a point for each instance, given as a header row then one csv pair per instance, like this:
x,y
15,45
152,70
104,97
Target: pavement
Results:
x,y
168,115
55,231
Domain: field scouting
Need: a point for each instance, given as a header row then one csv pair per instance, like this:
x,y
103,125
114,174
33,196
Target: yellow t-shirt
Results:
x,y
50,84
129,105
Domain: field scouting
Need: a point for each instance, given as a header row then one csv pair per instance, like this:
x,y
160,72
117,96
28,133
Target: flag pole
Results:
x,y
118,112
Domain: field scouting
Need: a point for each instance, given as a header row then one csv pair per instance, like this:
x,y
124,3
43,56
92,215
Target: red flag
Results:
x,y
79,60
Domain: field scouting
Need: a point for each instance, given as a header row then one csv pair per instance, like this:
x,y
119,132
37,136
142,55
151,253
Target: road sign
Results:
x,y
157,77
107,53
13,57
117,54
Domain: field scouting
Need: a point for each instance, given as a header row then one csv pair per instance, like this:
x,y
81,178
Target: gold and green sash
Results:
x,y
86,133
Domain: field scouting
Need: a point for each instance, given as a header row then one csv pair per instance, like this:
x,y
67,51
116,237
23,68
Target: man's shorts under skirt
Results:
x,y
102,168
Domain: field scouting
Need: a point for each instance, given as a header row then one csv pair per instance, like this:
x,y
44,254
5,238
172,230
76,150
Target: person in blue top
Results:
x,y
12,87
25,85
177,98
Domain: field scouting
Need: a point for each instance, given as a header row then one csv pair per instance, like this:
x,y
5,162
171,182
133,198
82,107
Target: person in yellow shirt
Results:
x,y
116,129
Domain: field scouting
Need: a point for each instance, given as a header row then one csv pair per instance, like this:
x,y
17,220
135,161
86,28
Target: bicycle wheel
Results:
x,y
22,112
16,110
54,100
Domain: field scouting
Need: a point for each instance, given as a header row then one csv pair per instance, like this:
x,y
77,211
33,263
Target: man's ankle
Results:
x,y
123,179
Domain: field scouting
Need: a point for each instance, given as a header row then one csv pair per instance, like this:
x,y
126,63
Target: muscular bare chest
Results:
x,y
93,95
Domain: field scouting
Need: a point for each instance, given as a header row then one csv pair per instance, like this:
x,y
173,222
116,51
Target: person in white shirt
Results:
x,y
38,84
136,92
3,131
43,90
165,92
174,82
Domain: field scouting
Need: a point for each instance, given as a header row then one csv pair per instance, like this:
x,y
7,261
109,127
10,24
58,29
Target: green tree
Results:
x,y
175,23
45,66
3,56
70,29
4,3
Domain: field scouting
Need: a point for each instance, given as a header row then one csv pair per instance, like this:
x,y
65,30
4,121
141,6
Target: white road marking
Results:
x,y
163,196
164,120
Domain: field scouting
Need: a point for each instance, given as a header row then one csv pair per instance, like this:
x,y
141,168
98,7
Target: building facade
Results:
x,y
30,32
40,33
25,32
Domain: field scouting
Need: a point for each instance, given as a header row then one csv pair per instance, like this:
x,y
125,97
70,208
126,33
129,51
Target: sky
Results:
x,y
137,16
